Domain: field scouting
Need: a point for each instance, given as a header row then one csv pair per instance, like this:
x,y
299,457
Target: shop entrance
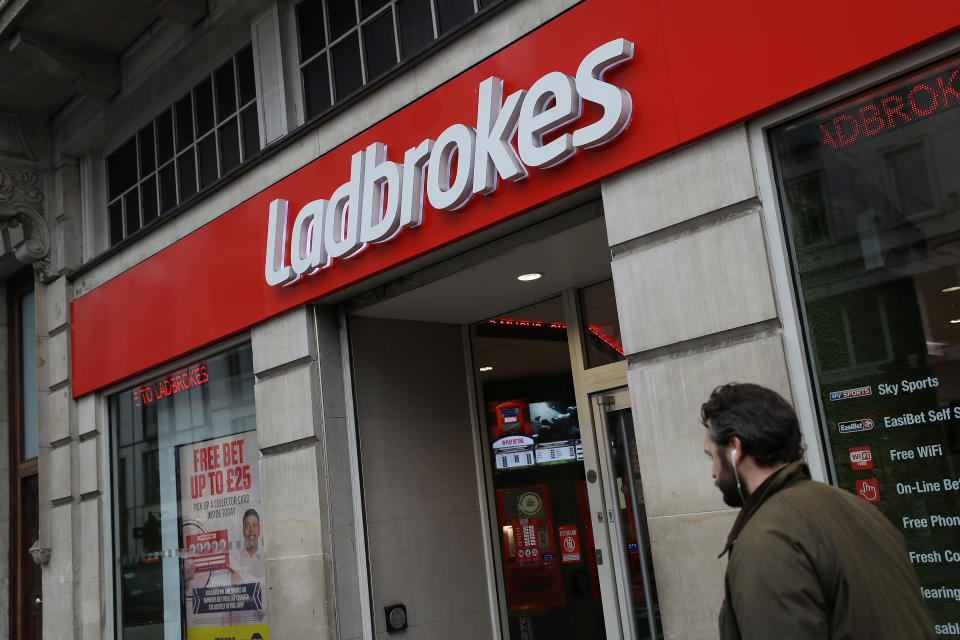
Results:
x,y
563,468
560,498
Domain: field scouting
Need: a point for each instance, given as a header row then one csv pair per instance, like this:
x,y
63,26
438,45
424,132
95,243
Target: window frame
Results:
x,y
797,350
109,585
481,14
241,109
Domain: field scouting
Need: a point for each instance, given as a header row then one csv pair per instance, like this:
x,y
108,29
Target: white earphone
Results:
x,y
733,457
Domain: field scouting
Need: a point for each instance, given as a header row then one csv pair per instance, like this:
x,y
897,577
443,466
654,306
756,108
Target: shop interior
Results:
x,y
478,445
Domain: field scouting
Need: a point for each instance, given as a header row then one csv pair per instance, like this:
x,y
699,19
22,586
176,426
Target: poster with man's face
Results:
x,y
224,589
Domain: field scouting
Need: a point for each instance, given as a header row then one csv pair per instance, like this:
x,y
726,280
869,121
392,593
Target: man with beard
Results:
x,y
807,560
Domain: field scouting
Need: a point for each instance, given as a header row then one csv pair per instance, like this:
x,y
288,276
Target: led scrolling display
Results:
x,y
170,386
886,112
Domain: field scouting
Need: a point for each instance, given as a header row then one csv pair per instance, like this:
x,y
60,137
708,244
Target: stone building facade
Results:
x,y
775,212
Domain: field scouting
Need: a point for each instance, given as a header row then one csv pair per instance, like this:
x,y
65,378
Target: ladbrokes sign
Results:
x,y
382,194
383,197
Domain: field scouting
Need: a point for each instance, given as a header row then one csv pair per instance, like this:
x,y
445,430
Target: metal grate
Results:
x,y
347,44
189,146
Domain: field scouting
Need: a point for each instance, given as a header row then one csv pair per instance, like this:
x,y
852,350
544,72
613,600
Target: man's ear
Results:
x,y
736,445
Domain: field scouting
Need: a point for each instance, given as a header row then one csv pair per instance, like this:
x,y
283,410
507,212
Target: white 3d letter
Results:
x,y
341,227
276,271
616,102
379,223
538,118
496,124
442,194
307,253
411,201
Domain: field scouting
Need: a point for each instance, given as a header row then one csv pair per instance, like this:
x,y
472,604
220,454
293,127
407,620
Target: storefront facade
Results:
x,y
421,352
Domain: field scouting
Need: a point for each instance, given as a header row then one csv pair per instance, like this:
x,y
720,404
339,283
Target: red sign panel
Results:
x,y
569,543
526,541
208,551
861,458
869,490
695,68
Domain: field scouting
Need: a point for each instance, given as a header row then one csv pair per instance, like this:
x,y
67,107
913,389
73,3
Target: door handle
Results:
x,y
38,602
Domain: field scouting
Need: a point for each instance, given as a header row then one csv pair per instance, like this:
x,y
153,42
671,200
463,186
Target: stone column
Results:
x,y
697,309
296,396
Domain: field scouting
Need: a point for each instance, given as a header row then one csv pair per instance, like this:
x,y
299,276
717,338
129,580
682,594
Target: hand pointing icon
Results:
x,y
868,490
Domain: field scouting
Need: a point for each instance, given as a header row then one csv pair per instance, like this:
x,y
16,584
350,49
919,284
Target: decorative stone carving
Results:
x,y
24,231
40,555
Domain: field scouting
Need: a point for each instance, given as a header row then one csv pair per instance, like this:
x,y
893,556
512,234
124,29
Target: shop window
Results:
x,y
880,298
601,326
805,197
187,148
346,45
910,175
188,552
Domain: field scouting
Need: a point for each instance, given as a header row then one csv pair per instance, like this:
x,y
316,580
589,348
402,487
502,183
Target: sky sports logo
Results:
x,y
850,426
846,394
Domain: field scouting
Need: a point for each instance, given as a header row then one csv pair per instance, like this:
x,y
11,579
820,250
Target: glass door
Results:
x,y
541,456
569,525
625,517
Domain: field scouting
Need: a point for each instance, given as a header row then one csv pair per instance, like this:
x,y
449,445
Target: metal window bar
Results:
x,y
329,44
192,148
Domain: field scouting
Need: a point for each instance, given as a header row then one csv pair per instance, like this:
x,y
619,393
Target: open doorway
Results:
x,y
487,511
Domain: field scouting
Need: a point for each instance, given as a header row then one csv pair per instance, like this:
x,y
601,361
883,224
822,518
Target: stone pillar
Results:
x,y
296,400
697,309
5,475
60,508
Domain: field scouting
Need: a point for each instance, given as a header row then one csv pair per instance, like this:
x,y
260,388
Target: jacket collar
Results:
x,y
783,477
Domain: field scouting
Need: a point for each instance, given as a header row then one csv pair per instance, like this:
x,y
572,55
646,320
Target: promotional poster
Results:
x,y
223,569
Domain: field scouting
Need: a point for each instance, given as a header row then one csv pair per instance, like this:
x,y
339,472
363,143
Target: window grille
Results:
x,y
189,146
347,44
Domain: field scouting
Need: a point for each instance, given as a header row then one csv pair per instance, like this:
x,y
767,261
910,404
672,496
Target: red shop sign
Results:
x,y
694,69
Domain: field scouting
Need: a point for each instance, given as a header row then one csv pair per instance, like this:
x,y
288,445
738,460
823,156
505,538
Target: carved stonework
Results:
x,y
40,555
18,191
24,231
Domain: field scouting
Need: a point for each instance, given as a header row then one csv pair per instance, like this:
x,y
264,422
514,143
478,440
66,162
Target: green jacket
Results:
x,y
809,561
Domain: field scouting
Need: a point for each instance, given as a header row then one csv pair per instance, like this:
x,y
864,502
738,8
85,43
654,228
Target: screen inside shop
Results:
x,y
188,552
870,194
546,534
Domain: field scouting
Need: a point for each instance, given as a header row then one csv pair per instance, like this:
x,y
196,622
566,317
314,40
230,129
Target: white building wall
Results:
x,y
696,307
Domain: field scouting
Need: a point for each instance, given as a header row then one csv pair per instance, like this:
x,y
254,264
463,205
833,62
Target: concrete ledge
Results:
x,y
88,466
58,405
666,395
296,597
283,339
293,514
707,175
57,305
58,359
87,421
58,474
286,406
689,575
713,279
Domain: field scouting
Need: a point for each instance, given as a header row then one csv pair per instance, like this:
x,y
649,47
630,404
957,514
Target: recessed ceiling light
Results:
x,y
485,369
529,277
951,289
955,321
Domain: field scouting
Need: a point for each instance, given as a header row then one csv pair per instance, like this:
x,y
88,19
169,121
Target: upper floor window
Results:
x,y
345,44
190,145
